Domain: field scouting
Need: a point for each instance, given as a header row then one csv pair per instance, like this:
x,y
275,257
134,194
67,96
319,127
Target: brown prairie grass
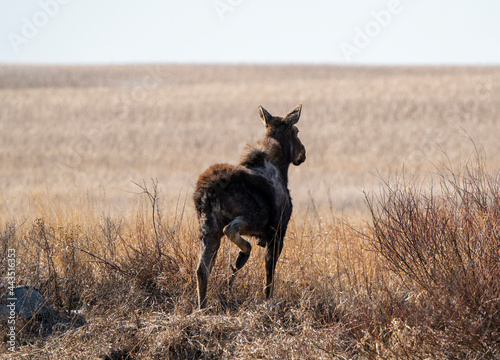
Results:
x,y
420,280
136,285
134,279
415,277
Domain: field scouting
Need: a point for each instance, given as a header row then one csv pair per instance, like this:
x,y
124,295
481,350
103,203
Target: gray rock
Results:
x,y
28,302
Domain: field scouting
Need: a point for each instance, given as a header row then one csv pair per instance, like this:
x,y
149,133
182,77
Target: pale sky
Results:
x,y
251,31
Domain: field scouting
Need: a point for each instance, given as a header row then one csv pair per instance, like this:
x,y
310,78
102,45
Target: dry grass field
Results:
x,y
411,274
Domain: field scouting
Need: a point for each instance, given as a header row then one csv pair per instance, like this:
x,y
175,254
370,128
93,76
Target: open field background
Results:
x,y
92,131
419,279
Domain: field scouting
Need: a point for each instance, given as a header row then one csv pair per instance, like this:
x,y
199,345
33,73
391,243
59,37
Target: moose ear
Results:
x,y
265,116
293,116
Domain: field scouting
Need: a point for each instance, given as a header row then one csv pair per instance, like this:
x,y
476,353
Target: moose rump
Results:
x,y
249,199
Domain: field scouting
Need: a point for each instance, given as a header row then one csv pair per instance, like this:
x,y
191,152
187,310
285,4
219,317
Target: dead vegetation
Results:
x,y
420,280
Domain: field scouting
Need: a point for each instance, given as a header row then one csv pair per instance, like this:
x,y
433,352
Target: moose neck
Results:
x,y
283,169
283,161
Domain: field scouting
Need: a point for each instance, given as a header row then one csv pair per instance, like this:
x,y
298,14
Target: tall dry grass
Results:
x,y
133,279
420,280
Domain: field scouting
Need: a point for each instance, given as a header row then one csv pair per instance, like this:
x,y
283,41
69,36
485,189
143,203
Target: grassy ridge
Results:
x,y
420,280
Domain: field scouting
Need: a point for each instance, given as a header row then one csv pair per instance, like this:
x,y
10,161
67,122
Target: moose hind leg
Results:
x,y
210,246
273,251
232,231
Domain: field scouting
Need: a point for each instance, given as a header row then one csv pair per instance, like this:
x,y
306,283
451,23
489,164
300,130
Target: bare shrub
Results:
x,y
444,245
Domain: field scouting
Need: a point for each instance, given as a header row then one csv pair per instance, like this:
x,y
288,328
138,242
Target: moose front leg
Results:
x,y
273,251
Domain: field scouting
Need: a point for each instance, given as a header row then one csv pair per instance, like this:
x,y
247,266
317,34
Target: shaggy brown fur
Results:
x,y
251,199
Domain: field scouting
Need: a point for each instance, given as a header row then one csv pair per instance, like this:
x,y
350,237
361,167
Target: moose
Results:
x,y
249,199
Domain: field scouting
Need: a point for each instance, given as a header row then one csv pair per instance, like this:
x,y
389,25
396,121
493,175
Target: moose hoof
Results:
x,y
261,243
241,260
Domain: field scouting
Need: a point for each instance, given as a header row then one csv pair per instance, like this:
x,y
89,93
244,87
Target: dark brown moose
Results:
x,y
250,199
